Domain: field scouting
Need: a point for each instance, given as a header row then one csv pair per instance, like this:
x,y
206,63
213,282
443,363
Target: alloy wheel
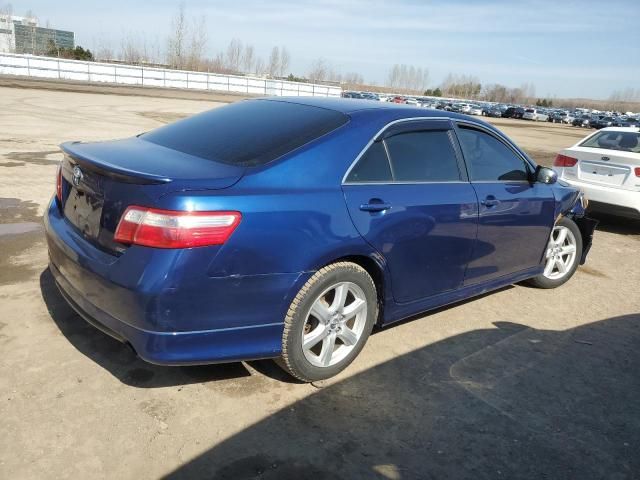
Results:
x,y
334,325
560,254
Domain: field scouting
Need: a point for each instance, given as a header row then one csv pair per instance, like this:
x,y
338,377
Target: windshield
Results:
x,y
248,133
624,141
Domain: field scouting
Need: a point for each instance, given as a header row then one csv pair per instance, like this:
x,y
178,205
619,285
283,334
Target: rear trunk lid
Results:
x,y
604,167
101,179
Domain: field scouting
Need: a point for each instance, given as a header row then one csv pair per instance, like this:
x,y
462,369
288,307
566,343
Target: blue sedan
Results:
x,y
289,228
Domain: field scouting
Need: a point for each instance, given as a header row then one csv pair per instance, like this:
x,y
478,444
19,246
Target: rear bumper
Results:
x,y
165,305
178,348
615,201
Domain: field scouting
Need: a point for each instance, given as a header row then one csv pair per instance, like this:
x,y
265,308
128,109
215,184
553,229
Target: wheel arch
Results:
x,y
375,266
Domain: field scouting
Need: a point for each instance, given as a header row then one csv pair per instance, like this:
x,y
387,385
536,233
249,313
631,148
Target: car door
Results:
x,y
516,214
409,197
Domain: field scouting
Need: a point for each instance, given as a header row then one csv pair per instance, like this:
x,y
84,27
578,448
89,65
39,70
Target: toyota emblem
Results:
x,y
77,175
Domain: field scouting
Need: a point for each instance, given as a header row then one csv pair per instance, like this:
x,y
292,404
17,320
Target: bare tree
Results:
x,y
274,62
248,58
408,78
319,70
234,55
197,44
176,41
217,64
352,80
259,67
103,53
6,11
130,50
285,60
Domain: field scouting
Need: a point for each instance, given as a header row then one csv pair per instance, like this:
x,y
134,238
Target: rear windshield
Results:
x,y
624,141
247,133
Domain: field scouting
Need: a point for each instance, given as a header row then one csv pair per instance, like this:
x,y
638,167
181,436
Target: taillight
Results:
x,y
59,184
564,161
637,170
175,229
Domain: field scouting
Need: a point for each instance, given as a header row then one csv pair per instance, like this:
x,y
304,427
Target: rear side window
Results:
x,y
372,167
624,141
248,133
488,159
425,156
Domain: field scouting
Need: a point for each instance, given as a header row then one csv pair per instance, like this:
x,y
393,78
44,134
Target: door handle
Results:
x,y
490,201
375,205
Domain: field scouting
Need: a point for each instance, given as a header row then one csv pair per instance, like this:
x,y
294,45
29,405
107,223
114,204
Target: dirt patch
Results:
x,y
163,117
541,157
40,157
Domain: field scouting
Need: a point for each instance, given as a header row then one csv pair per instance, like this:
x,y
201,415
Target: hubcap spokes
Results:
x,y
560,254
334,324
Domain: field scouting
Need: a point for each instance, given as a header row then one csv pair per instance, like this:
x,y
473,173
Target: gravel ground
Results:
x,y
520,383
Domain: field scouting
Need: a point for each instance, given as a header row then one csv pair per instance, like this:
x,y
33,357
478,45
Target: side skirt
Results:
x,y
394,312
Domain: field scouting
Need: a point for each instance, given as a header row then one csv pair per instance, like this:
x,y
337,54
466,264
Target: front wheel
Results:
x,y
562,255
328,322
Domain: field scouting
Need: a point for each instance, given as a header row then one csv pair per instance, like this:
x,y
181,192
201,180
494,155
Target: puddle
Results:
x,y
20,230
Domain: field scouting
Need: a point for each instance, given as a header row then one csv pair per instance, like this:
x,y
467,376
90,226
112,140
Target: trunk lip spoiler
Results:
x,y
109,170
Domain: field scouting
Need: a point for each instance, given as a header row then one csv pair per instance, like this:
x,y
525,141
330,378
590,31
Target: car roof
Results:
x,y
620,129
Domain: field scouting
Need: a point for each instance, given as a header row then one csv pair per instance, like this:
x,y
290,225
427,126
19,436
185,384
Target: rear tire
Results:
x,y
328,322
562,255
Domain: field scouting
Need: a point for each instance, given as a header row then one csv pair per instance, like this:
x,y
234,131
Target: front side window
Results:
x,y
425,156
624,141
488,159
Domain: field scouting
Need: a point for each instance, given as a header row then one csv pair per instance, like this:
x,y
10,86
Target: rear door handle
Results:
x,y
374,206
490,201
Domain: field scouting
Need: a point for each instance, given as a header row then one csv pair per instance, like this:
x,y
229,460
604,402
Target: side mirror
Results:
x,y
546,175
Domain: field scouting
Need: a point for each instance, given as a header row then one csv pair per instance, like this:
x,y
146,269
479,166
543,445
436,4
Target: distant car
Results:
x,y
513,112
565,117
542,116
195,248
582,121
603,122
606,167
530,114
398,100
411,101
475,110
626,122
494,112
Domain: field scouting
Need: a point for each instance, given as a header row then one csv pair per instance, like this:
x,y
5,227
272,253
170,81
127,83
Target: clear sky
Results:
x,y
566,48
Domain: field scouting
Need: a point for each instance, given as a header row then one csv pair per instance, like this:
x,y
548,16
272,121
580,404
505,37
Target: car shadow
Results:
x,y
508,402
617,225
123,363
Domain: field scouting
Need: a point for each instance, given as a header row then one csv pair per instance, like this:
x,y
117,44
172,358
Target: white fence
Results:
x,y
93,72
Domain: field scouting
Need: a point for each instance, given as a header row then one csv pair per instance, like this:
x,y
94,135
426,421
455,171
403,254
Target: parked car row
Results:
x,y
578,117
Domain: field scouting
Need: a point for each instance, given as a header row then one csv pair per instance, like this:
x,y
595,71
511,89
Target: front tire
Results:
x,y
562,255
328,322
